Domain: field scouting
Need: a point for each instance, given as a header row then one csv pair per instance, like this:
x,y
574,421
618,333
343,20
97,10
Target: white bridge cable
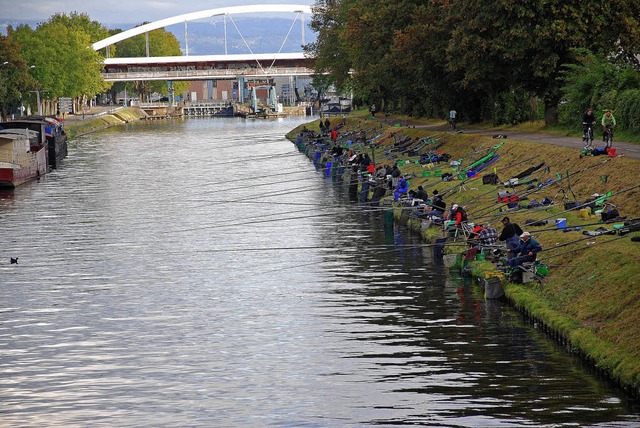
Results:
x,y
285,40
245,42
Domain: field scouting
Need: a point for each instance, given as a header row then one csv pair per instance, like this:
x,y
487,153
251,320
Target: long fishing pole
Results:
x,y
587,203
236,180
536,190
259,158
584,248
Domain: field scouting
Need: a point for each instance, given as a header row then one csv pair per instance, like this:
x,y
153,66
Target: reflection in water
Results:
x,y
180,274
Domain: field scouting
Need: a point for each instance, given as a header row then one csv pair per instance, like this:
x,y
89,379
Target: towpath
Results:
x,y
629,150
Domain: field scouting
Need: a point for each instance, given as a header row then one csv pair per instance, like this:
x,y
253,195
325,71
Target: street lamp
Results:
x,y
37,94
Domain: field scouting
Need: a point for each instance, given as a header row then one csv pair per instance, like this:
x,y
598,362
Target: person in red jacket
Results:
x,y
458,214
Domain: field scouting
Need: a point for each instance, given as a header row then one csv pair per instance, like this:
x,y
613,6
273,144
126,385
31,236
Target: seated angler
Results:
x,y
422,194
402,189
438,206
526,251
458,214
487,236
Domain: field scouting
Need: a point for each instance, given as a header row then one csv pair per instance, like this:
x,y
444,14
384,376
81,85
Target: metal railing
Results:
x,y
152,74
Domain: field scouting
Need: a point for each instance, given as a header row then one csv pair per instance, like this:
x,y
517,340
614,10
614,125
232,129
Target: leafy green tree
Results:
x,y
64,64
14,76
474,55
599,84
161,43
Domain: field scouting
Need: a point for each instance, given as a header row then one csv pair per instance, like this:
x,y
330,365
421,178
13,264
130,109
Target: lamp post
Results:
x,y
37,94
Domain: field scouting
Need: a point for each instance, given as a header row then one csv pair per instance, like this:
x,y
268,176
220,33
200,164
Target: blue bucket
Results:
x,y
328,168
561,223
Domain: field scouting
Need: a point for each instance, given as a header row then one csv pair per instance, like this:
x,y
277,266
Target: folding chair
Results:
x,y
462,232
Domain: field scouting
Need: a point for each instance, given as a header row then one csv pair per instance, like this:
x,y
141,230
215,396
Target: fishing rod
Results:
x,y
466,181
538,189
397,247
267,184
235,180
581,248
587,203
260,158
252,143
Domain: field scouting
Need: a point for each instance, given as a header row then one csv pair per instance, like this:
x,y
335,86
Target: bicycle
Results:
x,y
607,137
587,135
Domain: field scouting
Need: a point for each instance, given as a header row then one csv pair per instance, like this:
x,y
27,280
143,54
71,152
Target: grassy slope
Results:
x,y
74,129
592,295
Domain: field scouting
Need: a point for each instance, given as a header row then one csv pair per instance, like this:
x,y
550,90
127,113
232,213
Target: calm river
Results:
x,y
203,274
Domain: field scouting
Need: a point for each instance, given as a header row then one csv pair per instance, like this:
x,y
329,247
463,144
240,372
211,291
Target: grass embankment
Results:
x,y
591,296
119,117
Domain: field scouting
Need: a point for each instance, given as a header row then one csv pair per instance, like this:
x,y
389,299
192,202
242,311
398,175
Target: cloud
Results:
x,y
116,11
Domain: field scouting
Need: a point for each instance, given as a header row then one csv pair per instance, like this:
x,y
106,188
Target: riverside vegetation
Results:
x,y
591,297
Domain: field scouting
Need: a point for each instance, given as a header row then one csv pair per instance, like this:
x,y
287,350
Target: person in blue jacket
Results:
x,y
526,251
403,188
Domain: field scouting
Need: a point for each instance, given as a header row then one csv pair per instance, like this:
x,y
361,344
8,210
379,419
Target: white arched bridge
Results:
x,y
201,67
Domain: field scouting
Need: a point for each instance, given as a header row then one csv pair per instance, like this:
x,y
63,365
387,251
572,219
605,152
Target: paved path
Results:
x,y
629,150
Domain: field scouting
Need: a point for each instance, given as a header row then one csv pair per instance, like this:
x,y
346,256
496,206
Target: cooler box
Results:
x,y
561,223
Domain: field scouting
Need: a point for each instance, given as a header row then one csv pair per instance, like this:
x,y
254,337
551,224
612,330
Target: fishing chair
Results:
x,y
461,232
529,272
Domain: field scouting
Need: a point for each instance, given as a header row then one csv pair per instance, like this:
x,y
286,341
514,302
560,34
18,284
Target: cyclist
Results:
x,y
588,120
608,123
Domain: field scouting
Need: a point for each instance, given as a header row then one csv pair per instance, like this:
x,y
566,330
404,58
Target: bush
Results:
x,y
512,107
628,110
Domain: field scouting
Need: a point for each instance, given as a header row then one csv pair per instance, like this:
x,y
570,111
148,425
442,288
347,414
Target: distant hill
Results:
x,y
262,35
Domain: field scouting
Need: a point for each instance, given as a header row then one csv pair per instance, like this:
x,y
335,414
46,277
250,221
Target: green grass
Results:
x,y
120,117
592,294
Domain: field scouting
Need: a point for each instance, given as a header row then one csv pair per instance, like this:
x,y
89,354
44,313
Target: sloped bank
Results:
x,y
119,117
590,300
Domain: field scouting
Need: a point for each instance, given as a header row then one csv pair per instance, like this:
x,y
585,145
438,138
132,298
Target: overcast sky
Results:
x,y
118,11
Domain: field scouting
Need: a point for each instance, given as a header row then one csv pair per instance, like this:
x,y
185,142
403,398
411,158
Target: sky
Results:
x,y
118,11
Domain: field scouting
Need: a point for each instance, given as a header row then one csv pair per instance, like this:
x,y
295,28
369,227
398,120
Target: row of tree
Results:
x,y
490,60
56,60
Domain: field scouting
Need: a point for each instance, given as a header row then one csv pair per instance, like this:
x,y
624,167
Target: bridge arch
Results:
x,y
178,19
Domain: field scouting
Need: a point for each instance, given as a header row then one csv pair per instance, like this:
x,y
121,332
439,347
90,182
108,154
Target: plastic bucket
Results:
x,y
480,256
542,270
426,173
561,223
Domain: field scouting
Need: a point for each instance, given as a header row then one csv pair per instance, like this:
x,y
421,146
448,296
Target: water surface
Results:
x,y
202,273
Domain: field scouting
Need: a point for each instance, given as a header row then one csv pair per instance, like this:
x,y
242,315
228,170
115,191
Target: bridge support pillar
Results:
x,y
241,94
170,91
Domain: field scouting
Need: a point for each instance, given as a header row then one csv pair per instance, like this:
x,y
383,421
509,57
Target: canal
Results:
x,y
202,273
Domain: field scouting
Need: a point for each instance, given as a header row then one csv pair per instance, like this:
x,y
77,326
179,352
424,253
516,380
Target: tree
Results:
x,y
505,45
475,55
14,75
65,65
161,43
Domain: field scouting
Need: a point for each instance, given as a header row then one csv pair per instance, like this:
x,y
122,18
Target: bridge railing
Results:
x,y
204,74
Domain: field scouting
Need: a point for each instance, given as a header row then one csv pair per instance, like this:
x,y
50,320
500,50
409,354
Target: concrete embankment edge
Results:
x,y
77,128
